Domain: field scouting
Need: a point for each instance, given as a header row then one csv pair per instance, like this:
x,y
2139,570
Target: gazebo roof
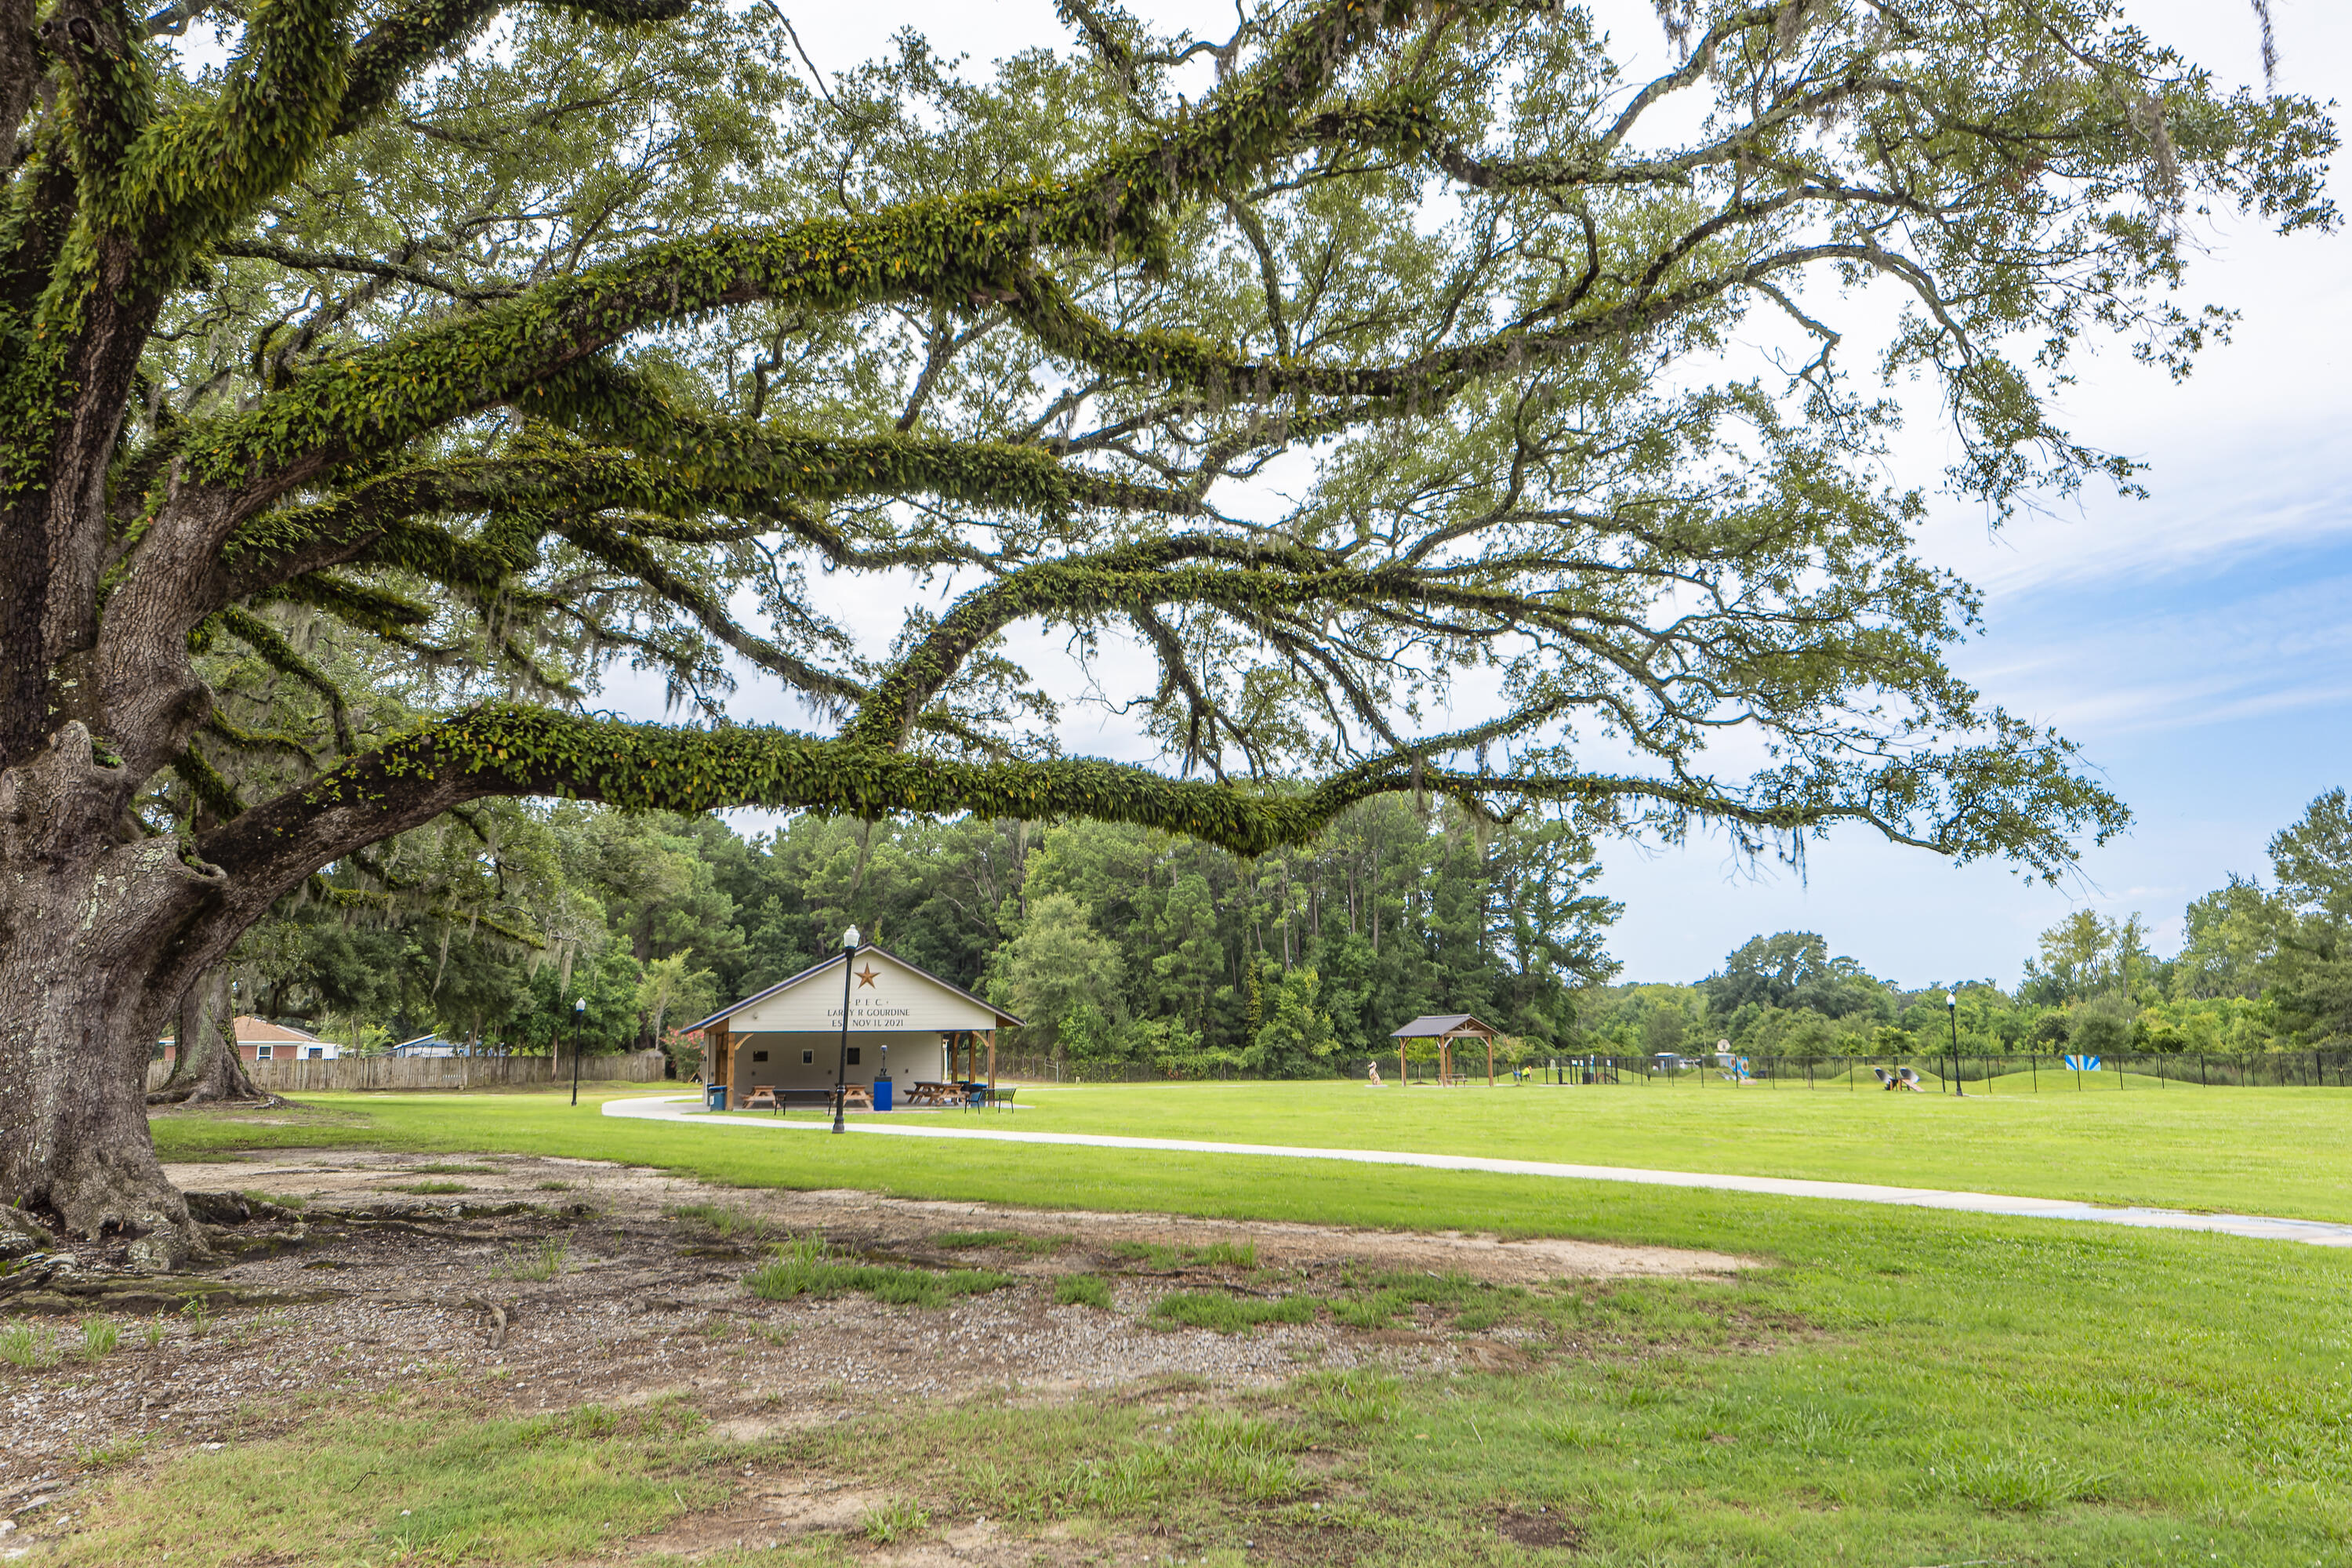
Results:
x,y
1437,1026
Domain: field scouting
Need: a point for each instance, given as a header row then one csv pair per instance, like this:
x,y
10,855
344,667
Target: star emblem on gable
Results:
x,y
866,976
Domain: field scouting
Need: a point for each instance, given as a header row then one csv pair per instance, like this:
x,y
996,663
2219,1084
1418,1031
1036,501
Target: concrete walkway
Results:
x,y
2318,1233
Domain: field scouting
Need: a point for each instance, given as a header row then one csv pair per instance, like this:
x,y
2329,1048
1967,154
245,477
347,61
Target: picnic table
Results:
x,y
953,1092
768,1097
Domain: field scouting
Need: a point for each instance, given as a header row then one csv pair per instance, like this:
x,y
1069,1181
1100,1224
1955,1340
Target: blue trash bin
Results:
x,y
714,1097
881,1094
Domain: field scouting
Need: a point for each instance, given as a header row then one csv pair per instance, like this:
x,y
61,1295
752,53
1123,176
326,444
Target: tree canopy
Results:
x,y
1360,373
1026,335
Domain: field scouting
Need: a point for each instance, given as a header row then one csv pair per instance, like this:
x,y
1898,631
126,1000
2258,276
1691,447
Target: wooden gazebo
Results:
x,y
1445,1028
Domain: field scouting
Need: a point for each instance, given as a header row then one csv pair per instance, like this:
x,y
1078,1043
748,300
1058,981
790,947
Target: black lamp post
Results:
x,y
841,1063
578,1016
1952,1009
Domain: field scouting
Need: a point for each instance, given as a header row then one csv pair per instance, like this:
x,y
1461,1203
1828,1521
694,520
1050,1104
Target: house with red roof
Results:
x,y
259,1040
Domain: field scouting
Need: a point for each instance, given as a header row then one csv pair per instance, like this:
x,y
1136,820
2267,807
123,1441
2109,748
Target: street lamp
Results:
x,y
840,1062
1952,1010
578,1016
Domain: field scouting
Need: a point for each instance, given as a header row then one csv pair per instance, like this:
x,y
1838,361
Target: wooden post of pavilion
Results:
x,y
722,1055
1446,1029
991,1061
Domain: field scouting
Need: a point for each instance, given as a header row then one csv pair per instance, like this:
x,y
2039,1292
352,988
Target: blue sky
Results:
x,y
2195,643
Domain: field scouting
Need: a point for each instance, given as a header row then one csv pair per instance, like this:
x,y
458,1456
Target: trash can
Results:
x,y
714,1097
881,1094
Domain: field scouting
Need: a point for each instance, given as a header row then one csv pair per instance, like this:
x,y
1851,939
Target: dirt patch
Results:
x,y
1279,1244
357,1288
1541,1528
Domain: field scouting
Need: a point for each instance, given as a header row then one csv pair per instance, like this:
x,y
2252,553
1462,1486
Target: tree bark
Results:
x,y
92,953
207,1068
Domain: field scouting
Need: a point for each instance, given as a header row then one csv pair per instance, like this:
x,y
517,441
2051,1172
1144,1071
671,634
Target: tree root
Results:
x,y
58,1286
21,1234
497,1319
207,1094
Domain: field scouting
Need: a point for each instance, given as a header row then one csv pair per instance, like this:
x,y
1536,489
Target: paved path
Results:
x,y
2318,1233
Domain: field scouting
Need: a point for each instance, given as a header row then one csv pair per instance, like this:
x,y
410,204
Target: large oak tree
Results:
x,y
1365,366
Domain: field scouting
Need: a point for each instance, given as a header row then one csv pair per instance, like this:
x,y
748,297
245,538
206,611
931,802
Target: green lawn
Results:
x,y
2268,1150
2261,1150
1903,1387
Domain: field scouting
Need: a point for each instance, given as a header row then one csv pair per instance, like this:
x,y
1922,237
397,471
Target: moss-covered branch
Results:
x,y
951,249
279,654
407,37
2016,796
1250,579
631,558
695,469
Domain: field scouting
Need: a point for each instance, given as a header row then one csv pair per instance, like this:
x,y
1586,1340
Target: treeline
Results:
x,y
1132,950
1119,947
2261,968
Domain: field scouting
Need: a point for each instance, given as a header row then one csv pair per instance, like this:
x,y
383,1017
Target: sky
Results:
x,y
2194,643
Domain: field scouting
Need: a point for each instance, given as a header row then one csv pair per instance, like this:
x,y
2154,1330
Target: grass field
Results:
x,y
2268,1150
2261,1151
1899,1388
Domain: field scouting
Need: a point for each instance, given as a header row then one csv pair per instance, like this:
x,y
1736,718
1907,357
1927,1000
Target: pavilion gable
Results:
x,y
885,991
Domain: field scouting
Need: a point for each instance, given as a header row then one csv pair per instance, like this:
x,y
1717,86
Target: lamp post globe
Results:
x,y
849,946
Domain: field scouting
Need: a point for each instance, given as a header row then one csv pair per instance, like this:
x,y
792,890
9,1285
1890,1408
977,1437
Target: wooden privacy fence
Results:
x,y
300,1077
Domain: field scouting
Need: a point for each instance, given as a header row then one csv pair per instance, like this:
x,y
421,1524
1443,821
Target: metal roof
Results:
x,y
1439,1025
1003,1017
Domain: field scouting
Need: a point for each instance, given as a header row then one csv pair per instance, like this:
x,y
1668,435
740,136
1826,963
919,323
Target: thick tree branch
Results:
x,y
408,37
2016,796
378,400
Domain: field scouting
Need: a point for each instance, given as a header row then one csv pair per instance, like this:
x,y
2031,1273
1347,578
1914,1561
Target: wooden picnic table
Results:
x,y
768,1097
953,1093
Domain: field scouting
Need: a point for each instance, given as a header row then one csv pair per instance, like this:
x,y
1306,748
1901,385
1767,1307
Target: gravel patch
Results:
x,y
373,1289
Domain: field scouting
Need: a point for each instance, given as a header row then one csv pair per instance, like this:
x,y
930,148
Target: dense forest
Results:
x,y
1117,944
1132,950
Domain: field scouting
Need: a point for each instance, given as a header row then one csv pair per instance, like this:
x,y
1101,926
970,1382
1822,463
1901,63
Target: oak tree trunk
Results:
x,y
207,1067
93,934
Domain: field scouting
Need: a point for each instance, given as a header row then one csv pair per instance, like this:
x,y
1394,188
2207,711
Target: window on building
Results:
x,y
261,1053
808,1059
852,1056
759,1056
316,1052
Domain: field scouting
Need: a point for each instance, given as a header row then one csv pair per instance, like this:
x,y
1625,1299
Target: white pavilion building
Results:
x,y
906,1024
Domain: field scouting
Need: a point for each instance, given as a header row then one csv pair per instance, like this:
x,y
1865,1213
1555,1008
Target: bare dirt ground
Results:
x,y
365,1288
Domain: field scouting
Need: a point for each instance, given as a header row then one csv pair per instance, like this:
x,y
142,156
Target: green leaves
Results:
x,y
1384,374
